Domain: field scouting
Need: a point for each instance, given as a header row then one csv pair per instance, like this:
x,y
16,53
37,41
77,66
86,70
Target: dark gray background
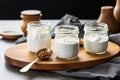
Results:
x,y
54,9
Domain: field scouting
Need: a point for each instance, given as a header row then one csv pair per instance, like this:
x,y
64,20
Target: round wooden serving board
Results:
x,y
19,56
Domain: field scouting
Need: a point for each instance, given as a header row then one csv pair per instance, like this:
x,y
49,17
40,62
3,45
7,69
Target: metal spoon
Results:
x,y
42,54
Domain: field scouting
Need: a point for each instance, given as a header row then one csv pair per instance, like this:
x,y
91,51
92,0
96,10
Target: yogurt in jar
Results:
x,y
38,36
66,48
95,43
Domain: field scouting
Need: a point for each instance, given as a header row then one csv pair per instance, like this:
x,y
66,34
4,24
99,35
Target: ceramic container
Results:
x,y
106,16
117,13
29,16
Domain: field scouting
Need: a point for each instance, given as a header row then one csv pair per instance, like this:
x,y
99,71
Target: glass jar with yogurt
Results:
x,y
38,36
96,37
66,44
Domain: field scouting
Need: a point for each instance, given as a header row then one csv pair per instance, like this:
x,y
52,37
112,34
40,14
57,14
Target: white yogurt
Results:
x,y
66,48
38,38
95,43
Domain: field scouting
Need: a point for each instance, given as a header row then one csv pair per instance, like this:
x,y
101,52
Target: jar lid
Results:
x,y
30,12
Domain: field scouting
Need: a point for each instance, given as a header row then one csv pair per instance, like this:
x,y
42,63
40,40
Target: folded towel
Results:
x,y
104,71
21,40
71,20
115,38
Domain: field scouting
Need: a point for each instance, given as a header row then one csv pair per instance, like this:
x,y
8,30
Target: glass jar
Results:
x,y
66,44
96,37
38,36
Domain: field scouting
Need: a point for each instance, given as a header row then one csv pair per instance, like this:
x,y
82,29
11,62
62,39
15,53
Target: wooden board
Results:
x,y
19,56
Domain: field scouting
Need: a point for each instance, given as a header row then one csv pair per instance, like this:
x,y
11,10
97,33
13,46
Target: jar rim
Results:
x,y
31,12
34,24
66,29
95,26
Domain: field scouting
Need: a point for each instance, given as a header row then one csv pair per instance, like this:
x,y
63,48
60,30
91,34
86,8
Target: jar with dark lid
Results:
x,y
29,16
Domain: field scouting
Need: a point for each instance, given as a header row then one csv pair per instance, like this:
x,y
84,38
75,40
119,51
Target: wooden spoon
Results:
x,y
10,35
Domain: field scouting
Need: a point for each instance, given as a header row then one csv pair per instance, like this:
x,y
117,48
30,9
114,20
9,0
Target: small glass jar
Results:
x,y
66,44
38,36
96,37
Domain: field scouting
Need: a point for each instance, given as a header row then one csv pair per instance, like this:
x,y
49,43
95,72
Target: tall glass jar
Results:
x,y
38,36
66,44
96,37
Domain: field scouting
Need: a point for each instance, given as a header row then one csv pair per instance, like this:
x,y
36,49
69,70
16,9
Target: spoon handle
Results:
x,y
27,67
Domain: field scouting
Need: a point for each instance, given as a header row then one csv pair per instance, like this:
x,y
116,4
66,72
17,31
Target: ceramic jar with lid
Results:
x,y
66,44
29,16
